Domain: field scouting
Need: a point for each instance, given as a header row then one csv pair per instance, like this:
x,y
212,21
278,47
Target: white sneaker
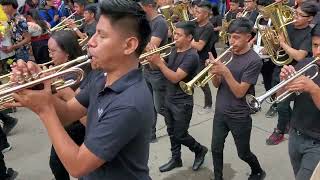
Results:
x,y
205,110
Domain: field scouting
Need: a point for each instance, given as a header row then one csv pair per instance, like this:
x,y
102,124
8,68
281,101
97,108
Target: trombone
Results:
x,y
202,78
154,51
255,102
36,80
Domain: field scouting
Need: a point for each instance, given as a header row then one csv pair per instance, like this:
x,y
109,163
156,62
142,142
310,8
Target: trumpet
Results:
x,y
36,80
202,78
158,50
255,102
61,25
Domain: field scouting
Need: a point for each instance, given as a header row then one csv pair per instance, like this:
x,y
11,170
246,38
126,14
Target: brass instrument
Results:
x,y
79,23
84,43
223,34
202,78
174,13
255,102
280,15
57,75
62,25
154,51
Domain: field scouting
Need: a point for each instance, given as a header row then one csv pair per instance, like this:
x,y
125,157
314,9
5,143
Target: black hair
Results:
x,y
234,1
14,3
310,8
38,20
215,10
81,2
264,2
148,2
241,25
91,8
316,30
187,26
195,2
130,16
68,42
205,4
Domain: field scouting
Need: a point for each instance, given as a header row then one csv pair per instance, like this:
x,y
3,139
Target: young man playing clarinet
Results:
x,y
232,113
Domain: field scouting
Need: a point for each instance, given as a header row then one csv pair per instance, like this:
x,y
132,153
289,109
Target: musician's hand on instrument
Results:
x,y
263,51
301,84
286,72
56,18
210,60
39,101
282,39
155,59
71,23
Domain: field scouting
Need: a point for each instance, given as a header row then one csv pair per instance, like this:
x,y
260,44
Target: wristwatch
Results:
x,y
75,29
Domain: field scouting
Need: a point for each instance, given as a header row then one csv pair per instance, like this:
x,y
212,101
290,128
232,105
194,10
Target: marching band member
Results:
x,y
63,46
304,141
154,77
118,103
300,39
89,26
203,42
251,10
232,113
182,66
234,10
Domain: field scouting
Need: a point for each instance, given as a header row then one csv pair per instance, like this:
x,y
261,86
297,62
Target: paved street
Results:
x,y
30,153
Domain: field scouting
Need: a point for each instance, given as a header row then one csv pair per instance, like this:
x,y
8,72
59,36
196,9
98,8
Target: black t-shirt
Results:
x,y
90,29
244,68
216,21
300,39
231,15
187,61
206,34
159,28
252,16
305,114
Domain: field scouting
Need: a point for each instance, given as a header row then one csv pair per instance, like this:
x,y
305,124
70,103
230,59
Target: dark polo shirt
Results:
x,y
119,126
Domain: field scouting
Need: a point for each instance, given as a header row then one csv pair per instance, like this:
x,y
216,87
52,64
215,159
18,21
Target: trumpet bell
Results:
x,y
253,102
186,88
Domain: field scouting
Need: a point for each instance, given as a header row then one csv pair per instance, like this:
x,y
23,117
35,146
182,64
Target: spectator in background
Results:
x,y
38,29
20,36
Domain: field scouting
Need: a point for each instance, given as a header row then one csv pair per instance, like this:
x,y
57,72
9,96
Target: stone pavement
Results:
x,y
31,148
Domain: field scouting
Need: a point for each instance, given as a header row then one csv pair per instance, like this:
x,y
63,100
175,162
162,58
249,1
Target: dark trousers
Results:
x,y
283,108
40,51
304,154
5,117
206,89
177,118
3,168
241,131
156,82
76,131
267,73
